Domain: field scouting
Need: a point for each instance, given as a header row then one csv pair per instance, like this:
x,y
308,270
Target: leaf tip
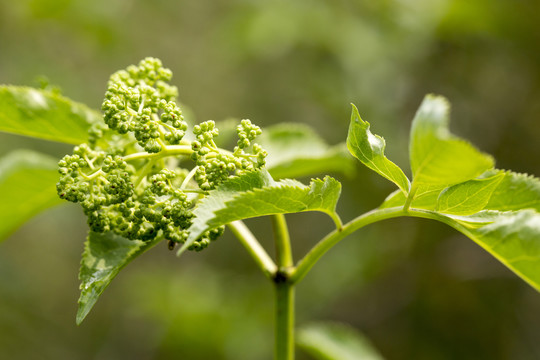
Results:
x,y
355,115
81,313
437,105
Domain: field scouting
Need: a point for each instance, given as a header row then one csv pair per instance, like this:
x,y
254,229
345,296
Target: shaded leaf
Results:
x,y
44,114
295,150
104,256
27,187
335,341
257,194
437,157
369,149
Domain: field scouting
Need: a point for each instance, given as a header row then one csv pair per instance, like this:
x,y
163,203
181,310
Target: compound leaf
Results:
x,y
335,341
257,194
437,157
499,211
104,256
44,114
455,183
27,187
369,149
295,150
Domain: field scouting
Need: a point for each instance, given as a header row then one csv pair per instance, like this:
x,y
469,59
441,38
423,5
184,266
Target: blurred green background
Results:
x,y
417,289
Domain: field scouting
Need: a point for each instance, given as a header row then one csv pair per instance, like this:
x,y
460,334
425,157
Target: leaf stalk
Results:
x,y
254,248
325,244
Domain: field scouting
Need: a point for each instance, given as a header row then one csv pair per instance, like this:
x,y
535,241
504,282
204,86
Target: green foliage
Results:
x,y
139,179
437,157
515,192
44,114
257,194
497,209
369,149
468,197
25,175
335,341
104,256
512,237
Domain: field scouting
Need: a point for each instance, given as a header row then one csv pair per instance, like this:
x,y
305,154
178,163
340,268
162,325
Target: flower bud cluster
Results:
x,y
215,166
139,101
131,177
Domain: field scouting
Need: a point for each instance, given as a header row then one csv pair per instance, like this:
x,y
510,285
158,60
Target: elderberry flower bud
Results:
x,y
130,177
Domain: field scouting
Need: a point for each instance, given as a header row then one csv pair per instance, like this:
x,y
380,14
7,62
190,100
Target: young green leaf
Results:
x,y
469,197
512,237
27,187
256,194
335,342
437,157
44,114
369,149
495,190
499,211
104,256
515,192
295,150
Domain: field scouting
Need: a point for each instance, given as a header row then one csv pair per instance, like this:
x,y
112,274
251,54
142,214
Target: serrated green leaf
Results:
x,y
104,256
286,196
295,150
256,194
438,157
515,192
335,342
507,191
512,237
27,187
469,197
44,114
369,149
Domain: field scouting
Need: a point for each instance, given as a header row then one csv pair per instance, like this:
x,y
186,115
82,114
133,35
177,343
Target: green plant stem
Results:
x,y
254,248
410,196
168,150
284,257
284,288
284,312
325,244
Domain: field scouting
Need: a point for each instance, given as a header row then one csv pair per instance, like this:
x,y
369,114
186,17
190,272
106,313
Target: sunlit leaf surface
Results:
x,y
44,114
256,194
369,149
